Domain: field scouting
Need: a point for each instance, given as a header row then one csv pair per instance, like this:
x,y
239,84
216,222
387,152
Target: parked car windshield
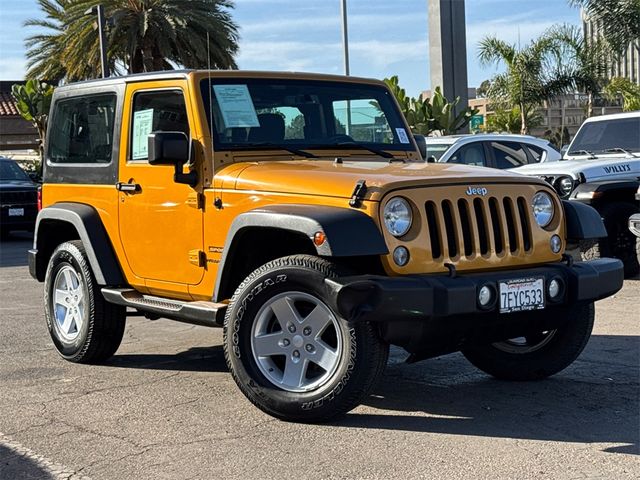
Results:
x,y
302,114
606,136
10,171
437,149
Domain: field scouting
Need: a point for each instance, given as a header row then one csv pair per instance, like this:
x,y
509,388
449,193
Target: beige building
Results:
x,y
628,65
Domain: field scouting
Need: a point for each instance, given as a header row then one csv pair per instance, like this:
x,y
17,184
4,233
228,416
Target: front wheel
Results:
x,y
293,356
538,355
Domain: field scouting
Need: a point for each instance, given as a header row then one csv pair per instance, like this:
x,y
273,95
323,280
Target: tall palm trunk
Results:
x,y
524,129
589,104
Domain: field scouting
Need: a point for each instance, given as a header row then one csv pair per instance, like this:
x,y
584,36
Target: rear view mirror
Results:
x,y
421,141
172,148
431,159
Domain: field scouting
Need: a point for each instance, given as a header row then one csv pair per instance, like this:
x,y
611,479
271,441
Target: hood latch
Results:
x,y
358,194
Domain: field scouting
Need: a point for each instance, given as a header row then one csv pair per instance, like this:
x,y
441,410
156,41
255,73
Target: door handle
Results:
x,y
128,187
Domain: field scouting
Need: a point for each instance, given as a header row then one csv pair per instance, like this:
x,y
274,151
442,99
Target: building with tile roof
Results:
x,y
15,132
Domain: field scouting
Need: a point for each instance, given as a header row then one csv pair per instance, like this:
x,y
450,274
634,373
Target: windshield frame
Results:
x,y
390,104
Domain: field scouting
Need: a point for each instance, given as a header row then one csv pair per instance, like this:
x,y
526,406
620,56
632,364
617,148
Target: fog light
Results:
x,y
485,296
401,256
556,244
554,288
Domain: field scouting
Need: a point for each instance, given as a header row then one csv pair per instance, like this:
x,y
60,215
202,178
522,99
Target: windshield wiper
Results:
x,y
376,151
623,150
582,152
259,145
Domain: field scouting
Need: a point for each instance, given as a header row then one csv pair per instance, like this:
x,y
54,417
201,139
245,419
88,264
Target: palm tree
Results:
x,y
531,77
619,20
585,62
142,36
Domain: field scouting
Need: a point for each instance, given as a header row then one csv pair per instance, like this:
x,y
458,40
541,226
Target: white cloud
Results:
x,y
12,68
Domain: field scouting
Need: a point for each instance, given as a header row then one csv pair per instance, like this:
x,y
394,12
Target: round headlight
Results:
x,y
564,186
542,206
397,216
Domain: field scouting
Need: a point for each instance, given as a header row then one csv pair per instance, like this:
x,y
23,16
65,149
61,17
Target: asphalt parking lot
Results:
x,y
165,407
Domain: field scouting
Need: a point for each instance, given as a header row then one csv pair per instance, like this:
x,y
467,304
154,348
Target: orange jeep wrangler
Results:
x,y
295,212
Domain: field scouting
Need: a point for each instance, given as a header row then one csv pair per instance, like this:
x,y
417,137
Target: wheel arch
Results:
x,y
598,193
259,236
61,222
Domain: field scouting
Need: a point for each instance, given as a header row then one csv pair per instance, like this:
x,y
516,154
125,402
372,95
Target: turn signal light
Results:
x,y
39,198
319,238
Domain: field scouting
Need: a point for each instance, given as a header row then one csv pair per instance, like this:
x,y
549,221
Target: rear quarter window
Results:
x,y
82,129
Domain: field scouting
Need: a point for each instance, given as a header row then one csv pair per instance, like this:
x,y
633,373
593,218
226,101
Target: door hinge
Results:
x,y
197,258
196,200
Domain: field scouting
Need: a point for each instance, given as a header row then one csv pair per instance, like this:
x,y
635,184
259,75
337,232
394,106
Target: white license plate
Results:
x,y
521,294
16,212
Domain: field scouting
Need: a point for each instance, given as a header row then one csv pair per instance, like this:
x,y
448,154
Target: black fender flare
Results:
x,y
589,191
86,221
583,221
348,232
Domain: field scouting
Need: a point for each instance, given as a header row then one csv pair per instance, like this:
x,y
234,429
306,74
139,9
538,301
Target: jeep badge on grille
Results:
x,y
477,191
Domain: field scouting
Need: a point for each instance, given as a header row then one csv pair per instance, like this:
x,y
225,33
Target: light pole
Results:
x,y
99,10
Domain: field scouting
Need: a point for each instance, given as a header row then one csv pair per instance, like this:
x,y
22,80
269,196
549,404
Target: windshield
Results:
x,y
598,137
437,149
10,170
302,114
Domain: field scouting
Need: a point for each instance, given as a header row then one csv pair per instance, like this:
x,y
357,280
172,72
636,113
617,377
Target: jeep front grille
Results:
x,y
478,227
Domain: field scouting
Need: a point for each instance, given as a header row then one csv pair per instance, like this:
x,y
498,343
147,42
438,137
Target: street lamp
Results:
x,y
99,10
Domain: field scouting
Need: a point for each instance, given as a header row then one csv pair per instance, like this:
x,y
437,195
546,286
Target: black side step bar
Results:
x,y
207,314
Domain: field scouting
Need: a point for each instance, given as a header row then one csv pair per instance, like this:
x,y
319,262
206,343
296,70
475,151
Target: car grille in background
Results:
x,y
18,198
478,227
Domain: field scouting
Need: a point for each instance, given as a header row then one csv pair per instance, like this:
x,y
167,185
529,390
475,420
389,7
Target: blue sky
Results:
x,y
386,37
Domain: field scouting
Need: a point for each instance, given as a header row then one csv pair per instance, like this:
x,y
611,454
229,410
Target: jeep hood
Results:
x,y
601,168
328,178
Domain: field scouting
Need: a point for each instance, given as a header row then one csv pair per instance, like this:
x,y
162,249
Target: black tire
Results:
x,y
545,356
100,333
620,242
360,364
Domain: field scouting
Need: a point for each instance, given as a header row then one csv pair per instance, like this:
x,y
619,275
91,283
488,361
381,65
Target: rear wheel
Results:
x,y
293,356
83,326
538,355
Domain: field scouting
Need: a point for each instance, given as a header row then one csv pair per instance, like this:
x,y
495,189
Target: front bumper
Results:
x,y
420,311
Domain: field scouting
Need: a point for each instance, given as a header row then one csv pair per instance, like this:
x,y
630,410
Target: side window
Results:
x,y
509,154
82,129
157,111
472,154
537,153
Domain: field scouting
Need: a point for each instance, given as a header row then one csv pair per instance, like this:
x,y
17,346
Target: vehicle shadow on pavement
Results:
x,y
196,359
595,401
13,250
14,464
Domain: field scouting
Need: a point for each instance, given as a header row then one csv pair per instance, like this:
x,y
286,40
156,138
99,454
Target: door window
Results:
x,y
472,154
81,130
537,154
509,154
157,111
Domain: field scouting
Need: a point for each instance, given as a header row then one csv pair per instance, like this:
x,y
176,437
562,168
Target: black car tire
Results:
x,y
542,355
362,358
101,331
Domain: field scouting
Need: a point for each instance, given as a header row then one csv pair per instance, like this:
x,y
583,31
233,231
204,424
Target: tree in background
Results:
x,y
426,115
619,20
531,75
584,62
483,90
625,88
33,100
142,36
559,136
510,120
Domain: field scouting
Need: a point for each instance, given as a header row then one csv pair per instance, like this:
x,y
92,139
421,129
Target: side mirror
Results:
x,y
421,141
172,148
431,159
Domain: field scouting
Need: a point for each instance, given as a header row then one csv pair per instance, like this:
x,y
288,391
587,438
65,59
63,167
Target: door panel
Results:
x,y
159,226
